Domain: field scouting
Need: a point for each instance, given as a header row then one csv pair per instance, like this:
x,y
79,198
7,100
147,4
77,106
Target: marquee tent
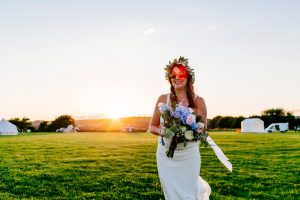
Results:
x,y
7,128
252,125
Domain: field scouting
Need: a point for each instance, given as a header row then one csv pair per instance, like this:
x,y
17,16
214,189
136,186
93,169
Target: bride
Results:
x,y
179,176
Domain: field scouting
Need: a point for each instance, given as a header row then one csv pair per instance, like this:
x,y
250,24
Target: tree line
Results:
x,y
269,116
24,124
273,115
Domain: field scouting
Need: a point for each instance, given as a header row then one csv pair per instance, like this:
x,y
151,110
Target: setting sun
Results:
x,y
116,110
115,116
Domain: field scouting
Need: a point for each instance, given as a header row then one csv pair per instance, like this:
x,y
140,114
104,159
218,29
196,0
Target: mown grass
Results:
x,y
123,166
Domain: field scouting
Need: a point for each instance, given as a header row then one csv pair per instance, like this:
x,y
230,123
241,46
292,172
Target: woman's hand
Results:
x,y
162,132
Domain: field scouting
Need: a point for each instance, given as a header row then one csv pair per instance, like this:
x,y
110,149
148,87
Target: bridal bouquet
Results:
x,y
181,125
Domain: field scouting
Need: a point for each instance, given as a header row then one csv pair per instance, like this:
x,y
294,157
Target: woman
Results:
x,y
179,176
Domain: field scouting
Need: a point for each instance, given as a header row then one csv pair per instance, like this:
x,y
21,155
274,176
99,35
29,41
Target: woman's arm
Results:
x,y
154,126
202,111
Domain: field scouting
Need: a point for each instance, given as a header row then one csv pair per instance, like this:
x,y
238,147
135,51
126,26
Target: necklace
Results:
x,y
180,99
183,100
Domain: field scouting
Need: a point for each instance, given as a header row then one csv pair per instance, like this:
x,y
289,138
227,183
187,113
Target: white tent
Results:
x,y
7,128
252,125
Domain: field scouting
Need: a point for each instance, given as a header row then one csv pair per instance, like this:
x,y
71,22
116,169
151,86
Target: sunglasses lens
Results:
x,y
179,72
178,76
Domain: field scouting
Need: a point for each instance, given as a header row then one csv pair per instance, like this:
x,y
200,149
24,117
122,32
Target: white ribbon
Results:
x,y
219,154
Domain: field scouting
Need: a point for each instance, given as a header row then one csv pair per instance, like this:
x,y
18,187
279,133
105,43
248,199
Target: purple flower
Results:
x,y
190,119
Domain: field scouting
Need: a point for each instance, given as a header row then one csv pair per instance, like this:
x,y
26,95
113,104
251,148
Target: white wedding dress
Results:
x,y
179,176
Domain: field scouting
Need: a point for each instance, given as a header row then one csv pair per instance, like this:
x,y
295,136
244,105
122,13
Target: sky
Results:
x,y
94,59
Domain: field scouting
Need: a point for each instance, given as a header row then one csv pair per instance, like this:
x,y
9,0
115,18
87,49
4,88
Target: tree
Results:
x,y
274,112
62,121
273,115
225,122
22,124
277,115
237,121
43,127
214,122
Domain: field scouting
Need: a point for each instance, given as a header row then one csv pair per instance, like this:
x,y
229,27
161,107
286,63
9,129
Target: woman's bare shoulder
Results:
x,y
162,98
200,102
200,106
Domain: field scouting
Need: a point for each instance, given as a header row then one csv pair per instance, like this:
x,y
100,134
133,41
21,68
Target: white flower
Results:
x,y
191,110
183,129
189,135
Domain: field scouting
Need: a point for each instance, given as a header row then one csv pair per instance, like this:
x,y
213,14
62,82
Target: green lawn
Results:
x,y
123,166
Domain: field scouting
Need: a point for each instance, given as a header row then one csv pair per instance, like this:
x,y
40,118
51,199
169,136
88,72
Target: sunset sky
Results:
x,y
106,58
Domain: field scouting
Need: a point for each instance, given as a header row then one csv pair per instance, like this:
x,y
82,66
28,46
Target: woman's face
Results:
x,y
179,77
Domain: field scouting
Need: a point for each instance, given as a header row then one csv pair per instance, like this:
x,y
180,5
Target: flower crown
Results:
x,y
181,61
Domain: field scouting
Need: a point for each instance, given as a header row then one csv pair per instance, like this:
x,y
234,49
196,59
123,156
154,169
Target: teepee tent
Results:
x,y
7,128
70,129
252,125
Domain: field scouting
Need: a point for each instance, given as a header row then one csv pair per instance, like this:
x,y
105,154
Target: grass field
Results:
x,y
123,166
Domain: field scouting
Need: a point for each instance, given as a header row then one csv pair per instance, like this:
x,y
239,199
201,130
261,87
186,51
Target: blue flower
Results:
x,y
195,126
163,108
181,112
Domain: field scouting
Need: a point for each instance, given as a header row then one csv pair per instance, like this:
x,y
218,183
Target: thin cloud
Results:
x,y
149,31
145,29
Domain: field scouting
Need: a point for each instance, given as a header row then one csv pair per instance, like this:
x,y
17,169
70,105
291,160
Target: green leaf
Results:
x,y
206,144
173,128
169,133
198,118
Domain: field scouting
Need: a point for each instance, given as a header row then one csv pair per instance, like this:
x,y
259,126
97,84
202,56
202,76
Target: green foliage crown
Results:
x,y
180,61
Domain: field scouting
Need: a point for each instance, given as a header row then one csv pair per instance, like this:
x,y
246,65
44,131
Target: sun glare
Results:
x,y
114,116
111,107
116,112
